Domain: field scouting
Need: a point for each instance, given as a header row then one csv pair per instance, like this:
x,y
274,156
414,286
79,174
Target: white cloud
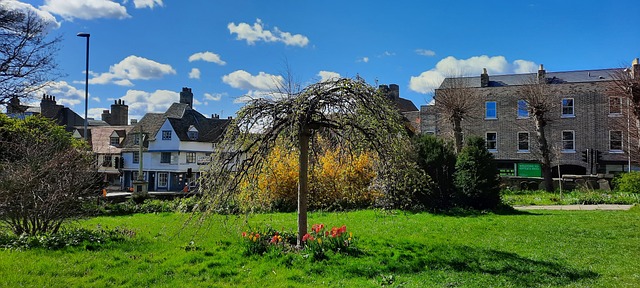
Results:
x,y
214,96
241,79
95,113
65,94
142,102
387,53
194,74
28,8
85,9
208,57
425,52
429,80
363,59
328,75
257,33
132,68
147,3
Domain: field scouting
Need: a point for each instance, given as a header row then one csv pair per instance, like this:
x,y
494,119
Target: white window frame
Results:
x,y
166,134
528,141
191,157
572,141
161,180
114,141
486,140
621,142
486,110
526,109
613,99
136,157
572,106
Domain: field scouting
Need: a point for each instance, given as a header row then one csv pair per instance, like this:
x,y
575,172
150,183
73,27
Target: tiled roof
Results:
x,y
520,79
100,138
150,123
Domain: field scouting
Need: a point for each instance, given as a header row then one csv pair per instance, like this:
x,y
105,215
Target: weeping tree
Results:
x,y
348,112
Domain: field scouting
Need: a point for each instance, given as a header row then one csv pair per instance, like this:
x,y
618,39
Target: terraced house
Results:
x,y
176,144
584,116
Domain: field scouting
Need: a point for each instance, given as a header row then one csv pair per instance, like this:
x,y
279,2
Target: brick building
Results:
x,y
584,116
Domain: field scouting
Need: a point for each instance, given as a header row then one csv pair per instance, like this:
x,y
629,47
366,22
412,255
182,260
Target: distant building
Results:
x,y
405,106
586,117
174,143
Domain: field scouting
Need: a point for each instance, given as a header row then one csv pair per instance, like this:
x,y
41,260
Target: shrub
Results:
x,y
90,239
438,160
476,176
628,182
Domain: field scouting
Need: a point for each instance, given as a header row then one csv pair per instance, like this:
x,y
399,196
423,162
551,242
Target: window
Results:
x,y
106,161
567,107
193,135
165,157
166,134
136,157
615,105
568,141
163,179
490,110
114,141
523,141
615,141
191,157
523,109
492,141
136,139
134,175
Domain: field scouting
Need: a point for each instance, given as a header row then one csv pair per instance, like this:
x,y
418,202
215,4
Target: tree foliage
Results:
x,y
437,158
27,55
476,176
346,112
45,175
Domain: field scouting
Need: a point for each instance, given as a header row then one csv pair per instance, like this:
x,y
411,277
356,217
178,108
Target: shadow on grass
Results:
x,y
465,263
504,210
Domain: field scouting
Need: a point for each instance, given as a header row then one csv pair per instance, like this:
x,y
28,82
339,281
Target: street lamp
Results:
x,y
86,86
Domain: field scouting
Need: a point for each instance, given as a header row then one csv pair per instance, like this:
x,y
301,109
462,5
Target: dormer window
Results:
x,y
136,139
114,141
192,133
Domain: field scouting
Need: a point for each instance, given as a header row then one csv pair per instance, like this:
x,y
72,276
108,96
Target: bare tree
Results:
x,y
625,88
540,103
46,178
457,101
345,111
27,55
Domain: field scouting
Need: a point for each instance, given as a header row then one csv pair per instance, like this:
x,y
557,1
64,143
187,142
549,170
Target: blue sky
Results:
x,y
145,51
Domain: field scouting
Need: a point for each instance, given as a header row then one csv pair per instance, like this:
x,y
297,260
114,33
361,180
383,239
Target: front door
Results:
x,y
152,181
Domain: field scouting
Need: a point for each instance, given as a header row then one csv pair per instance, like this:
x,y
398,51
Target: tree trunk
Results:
x,y
545,152
457,134
303,181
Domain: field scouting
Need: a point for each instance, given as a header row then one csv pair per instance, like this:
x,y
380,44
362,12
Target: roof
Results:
x,y
581,76
100,138
405,105
181,117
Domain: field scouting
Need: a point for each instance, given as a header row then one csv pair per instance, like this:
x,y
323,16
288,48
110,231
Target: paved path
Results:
x,y
575,207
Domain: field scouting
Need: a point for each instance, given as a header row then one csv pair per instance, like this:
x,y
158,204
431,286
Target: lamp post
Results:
x,y
86,85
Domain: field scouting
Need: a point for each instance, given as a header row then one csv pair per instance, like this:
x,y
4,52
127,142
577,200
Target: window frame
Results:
x,y
136,139
164,159
621,140
572,107
619,104
136,157
519,109
107,160
494,141
191,157
572,141
166,134
520,141
486,110
114,143
161,180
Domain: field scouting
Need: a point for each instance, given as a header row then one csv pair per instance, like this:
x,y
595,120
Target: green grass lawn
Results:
x,y
540,197
539,249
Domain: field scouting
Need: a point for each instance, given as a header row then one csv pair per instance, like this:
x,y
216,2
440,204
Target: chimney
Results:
x,y
635,68
484,78
542,74
215,116
119,113
230,117
395,92
106,116
186,97
134,121
48,107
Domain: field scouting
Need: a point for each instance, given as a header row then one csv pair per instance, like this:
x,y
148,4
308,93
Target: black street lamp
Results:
x,y
86,86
